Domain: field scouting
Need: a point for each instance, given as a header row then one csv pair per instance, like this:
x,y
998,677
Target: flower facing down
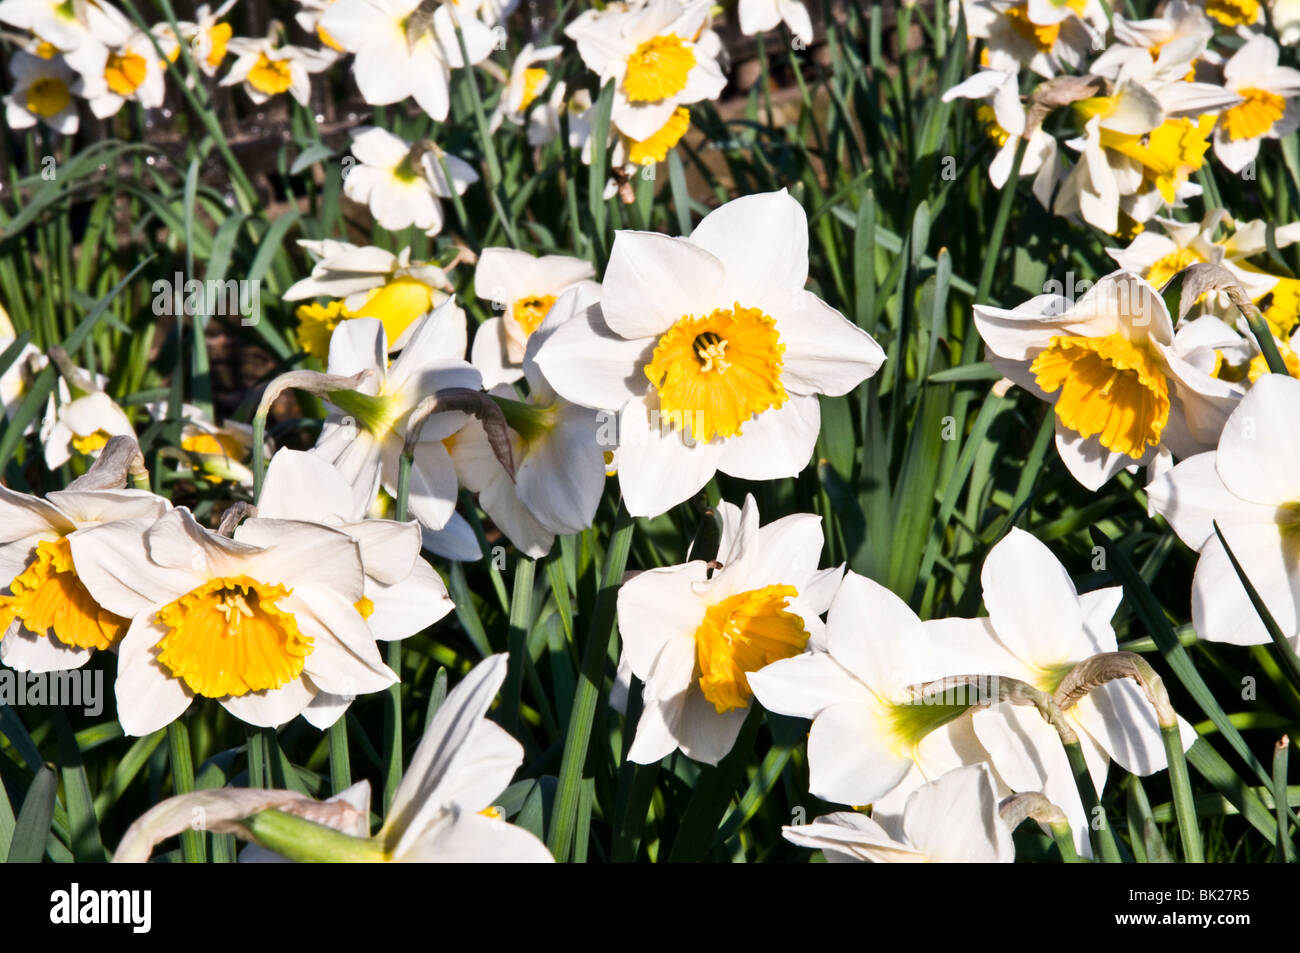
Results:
x,y
523,288
696,637
441,812
1107,363
1251,486
260,628
953,820
48,619
402,185
759,15
711,352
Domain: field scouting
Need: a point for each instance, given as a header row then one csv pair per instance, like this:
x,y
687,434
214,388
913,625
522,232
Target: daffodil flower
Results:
x,y
1268,109
261,627
131,71
366,430
659,55
364,282
68,25
558,460
1046,36
404,595
213,451
442,811
401,189
1121,393
80,419
527,82
266,68
1251,485
41,91
710,351
391,64
952,820
48,619
523,288
872,738
758,16
696,637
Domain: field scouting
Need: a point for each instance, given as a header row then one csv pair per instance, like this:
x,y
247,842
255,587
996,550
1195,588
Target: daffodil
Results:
x,y
1004,118
209,36
1046,36
1121,394
757,16
364,282
48,620
211,450
80,421
366,429
952,820
265,68
1038,628
558,460
1267,109
308,17
403,594
873,740
1251,485
391,63
696,636
262,627
523,288
710,352
525,85
1285,16
41,91
131,71
68,25
544,120
660,55
442,811
402,186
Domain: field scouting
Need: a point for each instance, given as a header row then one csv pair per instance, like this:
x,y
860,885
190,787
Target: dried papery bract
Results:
x,y
1207,276
1010,690
237,511
1061,91
468,401
119,461
1032,805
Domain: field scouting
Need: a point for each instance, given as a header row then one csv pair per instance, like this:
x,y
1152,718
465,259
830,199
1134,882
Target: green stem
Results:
x,y
340,757
393,655
1184,804
1103,841
994,245
182,762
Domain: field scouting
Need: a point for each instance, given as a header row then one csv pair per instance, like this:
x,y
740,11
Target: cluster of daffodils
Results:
x,y
1113,117
88,49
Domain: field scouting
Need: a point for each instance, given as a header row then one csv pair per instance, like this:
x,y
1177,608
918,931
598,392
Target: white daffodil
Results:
x,y
68,25
1268,109
81,420
1285,16
1251,486
41,92
696,637
1133,158
48,621
523,288
1046,36
132,72
527,82
873,741
544,121
455,541
366,430
953,820
660,56
364,282
402,186
210,450
756,16
17,377
1235,13
1004,118
260,627
403,594
308,17
1038,628
555,447
391,64
441,812
711,351
266,68
1158,258
1121,394
209,37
